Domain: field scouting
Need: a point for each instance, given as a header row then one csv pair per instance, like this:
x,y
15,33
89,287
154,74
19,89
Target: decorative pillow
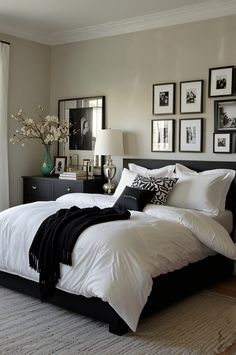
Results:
x,y
161,186
134,199
165,171
127,177
219,189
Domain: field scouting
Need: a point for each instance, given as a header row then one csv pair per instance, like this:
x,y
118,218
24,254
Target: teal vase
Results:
x,y
47,164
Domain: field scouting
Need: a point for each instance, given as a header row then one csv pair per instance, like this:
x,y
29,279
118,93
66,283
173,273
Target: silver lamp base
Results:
x,y
109,188
109,170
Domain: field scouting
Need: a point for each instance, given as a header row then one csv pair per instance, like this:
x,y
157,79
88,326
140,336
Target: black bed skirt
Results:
x,y
166,289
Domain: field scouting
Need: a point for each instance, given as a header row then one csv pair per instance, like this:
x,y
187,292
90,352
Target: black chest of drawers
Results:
x,y
39,188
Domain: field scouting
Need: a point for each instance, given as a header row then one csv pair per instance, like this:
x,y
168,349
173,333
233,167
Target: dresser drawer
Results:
x,y
37,190
67,187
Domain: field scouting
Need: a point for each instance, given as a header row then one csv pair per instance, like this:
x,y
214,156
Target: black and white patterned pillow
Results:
x,y
162,187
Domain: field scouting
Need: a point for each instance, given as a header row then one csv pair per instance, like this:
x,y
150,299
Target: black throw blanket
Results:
x,y
55,239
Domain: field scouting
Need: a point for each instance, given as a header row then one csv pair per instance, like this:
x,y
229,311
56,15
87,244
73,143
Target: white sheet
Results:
x,y
225,218
115,261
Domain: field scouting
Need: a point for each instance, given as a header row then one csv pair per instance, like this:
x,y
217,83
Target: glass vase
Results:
x,y
47,163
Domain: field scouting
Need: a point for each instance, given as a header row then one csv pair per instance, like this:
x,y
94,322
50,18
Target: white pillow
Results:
x,y
165,171
127,177
197,192
221,190
87,199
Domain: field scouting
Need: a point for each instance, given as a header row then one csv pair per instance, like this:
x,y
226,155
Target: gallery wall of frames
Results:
x,y
221,89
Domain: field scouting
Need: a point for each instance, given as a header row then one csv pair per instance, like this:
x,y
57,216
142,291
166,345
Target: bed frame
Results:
x,y
166,288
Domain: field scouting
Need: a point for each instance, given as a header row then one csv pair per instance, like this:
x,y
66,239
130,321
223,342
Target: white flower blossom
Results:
x,y
48,129
29,121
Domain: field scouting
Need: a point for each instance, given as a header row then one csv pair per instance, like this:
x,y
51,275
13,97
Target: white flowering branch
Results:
x,y
47,129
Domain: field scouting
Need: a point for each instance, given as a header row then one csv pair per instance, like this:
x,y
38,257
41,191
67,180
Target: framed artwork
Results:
x,y
87,163
190,135
163,102
60,165
221,143
163,135
191,95
225,115
85,116
221,81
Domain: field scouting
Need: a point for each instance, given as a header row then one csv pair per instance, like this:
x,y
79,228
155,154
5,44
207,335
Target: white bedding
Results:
x,y
115,261
225,218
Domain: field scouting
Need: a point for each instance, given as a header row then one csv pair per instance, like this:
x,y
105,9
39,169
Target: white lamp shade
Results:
x,y
109,142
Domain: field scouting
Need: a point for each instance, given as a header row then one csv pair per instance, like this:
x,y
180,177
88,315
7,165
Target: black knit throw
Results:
x,y
54,241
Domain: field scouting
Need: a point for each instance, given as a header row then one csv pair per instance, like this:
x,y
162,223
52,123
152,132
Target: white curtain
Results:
x,y
4,175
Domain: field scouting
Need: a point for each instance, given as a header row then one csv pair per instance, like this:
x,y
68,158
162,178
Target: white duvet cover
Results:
x,y
115,261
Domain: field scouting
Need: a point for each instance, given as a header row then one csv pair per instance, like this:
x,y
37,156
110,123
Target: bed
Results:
x,y
166,287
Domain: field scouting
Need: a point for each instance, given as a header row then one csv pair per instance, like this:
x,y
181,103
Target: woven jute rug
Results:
x,y
204,323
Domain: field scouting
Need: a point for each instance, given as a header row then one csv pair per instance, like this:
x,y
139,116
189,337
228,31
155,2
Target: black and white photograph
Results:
x,y
81,129
221,143
221,81
225,115
59,165
162,135
163,99
190,135
191,95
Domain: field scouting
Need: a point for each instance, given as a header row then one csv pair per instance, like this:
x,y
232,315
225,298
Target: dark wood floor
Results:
x,y
226,287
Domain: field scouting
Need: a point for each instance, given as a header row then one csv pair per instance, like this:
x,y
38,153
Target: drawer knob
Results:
x,y
68,189
34,187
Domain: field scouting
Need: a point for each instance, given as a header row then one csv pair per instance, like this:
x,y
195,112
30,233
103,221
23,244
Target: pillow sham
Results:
x,y
197,192
134,199
165,171
161,186
127,177
221,187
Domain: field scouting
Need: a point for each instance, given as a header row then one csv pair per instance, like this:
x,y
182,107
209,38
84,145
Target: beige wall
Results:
x,y
29,81
124,68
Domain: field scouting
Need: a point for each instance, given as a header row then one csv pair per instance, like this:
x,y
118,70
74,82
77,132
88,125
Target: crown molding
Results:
x,y
198,12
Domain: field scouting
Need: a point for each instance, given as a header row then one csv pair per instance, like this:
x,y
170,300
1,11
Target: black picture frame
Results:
x,y
225,115
221,81
190,135
222,143
191,96
60,164
163,99
80,111
163,134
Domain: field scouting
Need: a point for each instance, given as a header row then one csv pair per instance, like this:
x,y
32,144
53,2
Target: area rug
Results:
x,y
202,324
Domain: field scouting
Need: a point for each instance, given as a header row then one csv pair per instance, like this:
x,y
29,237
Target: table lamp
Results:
x,y
109,142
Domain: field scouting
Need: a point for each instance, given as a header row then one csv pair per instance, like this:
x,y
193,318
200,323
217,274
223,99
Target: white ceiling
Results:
x,y
63,21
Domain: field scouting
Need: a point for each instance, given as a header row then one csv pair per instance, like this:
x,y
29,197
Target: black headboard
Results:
x,y
195,165
198,165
